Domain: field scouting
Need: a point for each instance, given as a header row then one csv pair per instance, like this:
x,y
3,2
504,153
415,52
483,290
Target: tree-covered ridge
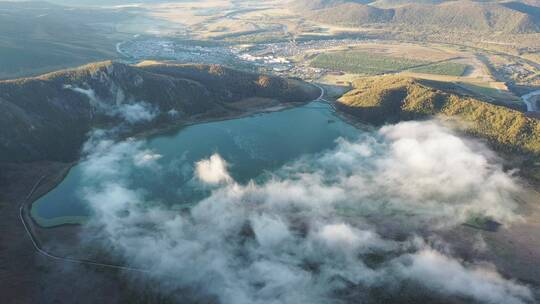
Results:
x,y
48,117
390,99
462,15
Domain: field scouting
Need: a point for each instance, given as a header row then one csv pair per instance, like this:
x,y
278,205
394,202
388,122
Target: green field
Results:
x,y
442,68
359,62
363,63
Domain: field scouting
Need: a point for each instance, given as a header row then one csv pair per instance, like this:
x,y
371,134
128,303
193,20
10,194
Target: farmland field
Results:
x,y
442,68
364,63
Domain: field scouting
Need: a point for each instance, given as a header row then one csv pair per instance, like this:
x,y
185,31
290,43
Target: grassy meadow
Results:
x,y
442,68
360,62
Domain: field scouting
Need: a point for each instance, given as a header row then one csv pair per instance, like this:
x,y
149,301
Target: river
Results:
x,y
531,100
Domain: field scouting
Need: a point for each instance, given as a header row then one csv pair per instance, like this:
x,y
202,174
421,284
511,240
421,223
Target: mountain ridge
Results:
x,y
48,117
461,15
390,99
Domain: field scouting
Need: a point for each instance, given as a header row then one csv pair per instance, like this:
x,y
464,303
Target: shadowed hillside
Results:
x,y
48,117
391,99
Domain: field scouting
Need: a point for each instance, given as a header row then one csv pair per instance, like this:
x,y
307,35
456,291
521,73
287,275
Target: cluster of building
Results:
x,y
287,58
181,52
283,59
517,71
299,48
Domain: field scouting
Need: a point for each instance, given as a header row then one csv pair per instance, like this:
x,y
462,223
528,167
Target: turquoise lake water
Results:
x,y
251,145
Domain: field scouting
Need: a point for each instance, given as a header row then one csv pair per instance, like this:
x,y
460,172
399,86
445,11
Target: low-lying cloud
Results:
x,y
448,276
130,112
309,233
136,112
212,171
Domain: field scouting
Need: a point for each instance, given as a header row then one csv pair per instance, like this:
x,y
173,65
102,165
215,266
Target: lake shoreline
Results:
x,y
45,189
496,239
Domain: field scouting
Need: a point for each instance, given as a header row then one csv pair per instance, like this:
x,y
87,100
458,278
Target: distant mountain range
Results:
x,y
48,117
485,16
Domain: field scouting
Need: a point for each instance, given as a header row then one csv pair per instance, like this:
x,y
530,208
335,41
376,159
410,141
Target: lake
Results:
x,y
252,145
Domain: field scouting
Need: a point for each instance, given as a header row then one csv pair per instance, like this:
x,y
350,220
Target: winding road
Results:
x,y
321,97
47,254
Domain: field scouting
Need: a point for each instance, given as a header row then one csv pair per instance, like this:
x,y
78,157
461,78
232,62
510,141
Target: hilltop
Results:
x,y
48,117
461,15
351,14
389,99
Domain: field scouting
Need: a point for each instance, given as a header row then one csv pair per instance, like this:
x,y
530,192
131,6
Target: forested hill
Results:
x,y
390,99
48,117
489,16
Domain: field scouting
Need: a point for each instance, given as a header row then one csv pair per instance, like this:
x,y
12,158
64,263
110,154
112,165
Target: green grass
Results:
x,y
360,62
364,63
442,68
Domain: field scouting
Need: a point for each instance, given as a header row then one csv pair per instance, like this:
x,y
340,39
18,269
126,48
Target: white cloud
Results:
x,y
448,276
173,113
146,158
136,112
94,101
270,232
130,112
306,234
343,237
213,171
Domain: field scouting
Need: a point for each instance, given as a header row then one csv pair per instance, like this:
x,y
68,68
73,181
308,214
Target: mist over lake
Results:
x,y
245,217
270,151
